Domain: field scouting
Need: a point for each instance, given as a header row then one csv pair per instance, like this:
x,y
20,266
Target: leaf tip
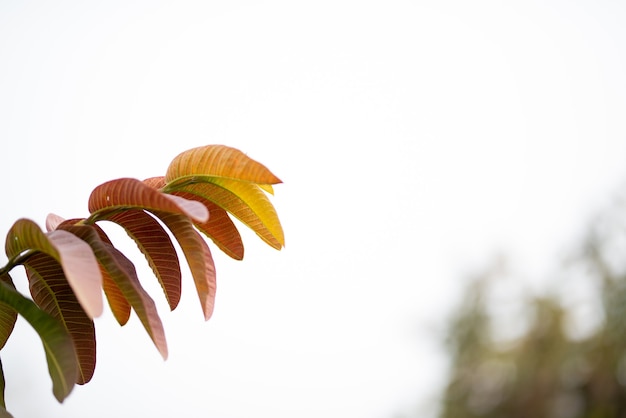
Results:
x,y
53,221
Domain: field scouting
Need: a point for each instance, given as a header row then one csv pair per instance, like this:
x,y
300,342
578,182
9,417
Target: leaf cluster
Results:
x,y
73,262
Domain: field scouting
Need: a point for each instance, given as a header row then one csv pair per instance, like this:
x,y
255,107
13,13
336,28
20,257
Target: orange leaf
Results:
x,y
52,293
155,182
117,302
218,161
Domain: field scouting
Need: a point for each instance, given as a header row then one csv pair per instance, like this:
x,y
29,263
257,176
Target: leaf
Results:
x,y
53,221
52,293
198,257
57,342
155,243
267,188
122,272
127,193
220,228
247,203
117,302
3,412
8,316
218,161
2,387
157,182
78,261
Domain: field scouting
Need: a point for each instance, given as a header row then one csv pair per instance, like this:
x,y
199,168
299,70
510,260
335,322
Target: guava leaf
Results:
x,y
256,211
252,196
78,261
127,193
57,342
117,302
198,257
220,228
122,271
3,412
53,221
53,294
8,316
155,243
217,161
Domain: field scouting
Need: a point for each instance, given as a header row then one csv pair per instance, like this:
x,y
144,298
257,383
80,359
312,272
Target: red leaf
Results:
x,y
198,257
220,228
129,193
155,243
122,272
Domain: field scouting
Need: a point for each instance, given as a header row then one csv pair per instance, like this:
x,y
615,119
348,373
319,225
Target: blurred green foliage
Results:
x,y
549,368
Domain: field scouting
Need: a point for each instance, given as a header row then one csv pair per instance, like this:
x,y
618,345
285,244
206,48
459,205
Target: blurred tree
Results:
x,y
547,370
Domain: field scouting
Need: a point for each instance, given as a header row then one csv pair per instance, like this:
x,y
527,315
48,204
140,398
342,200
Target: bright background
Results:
x,y
415,139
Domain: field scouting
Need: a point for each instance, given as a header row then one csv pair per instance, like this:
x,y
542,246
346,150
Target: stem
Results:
x,y
181,182
96,216
16,260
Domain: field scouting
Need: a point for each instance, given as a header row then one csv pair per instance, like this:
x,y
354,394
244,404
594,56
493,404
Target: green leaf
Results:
x,y
8,316
52,293
3,412
57,342
78,261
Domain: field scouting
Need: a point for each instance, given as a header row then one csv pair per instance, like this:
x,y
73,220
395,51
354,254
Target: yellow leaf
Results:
x,y
246,202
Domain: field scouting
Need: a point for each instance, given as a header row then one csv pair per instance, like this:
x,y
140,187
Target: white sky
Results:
x,y
415,140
